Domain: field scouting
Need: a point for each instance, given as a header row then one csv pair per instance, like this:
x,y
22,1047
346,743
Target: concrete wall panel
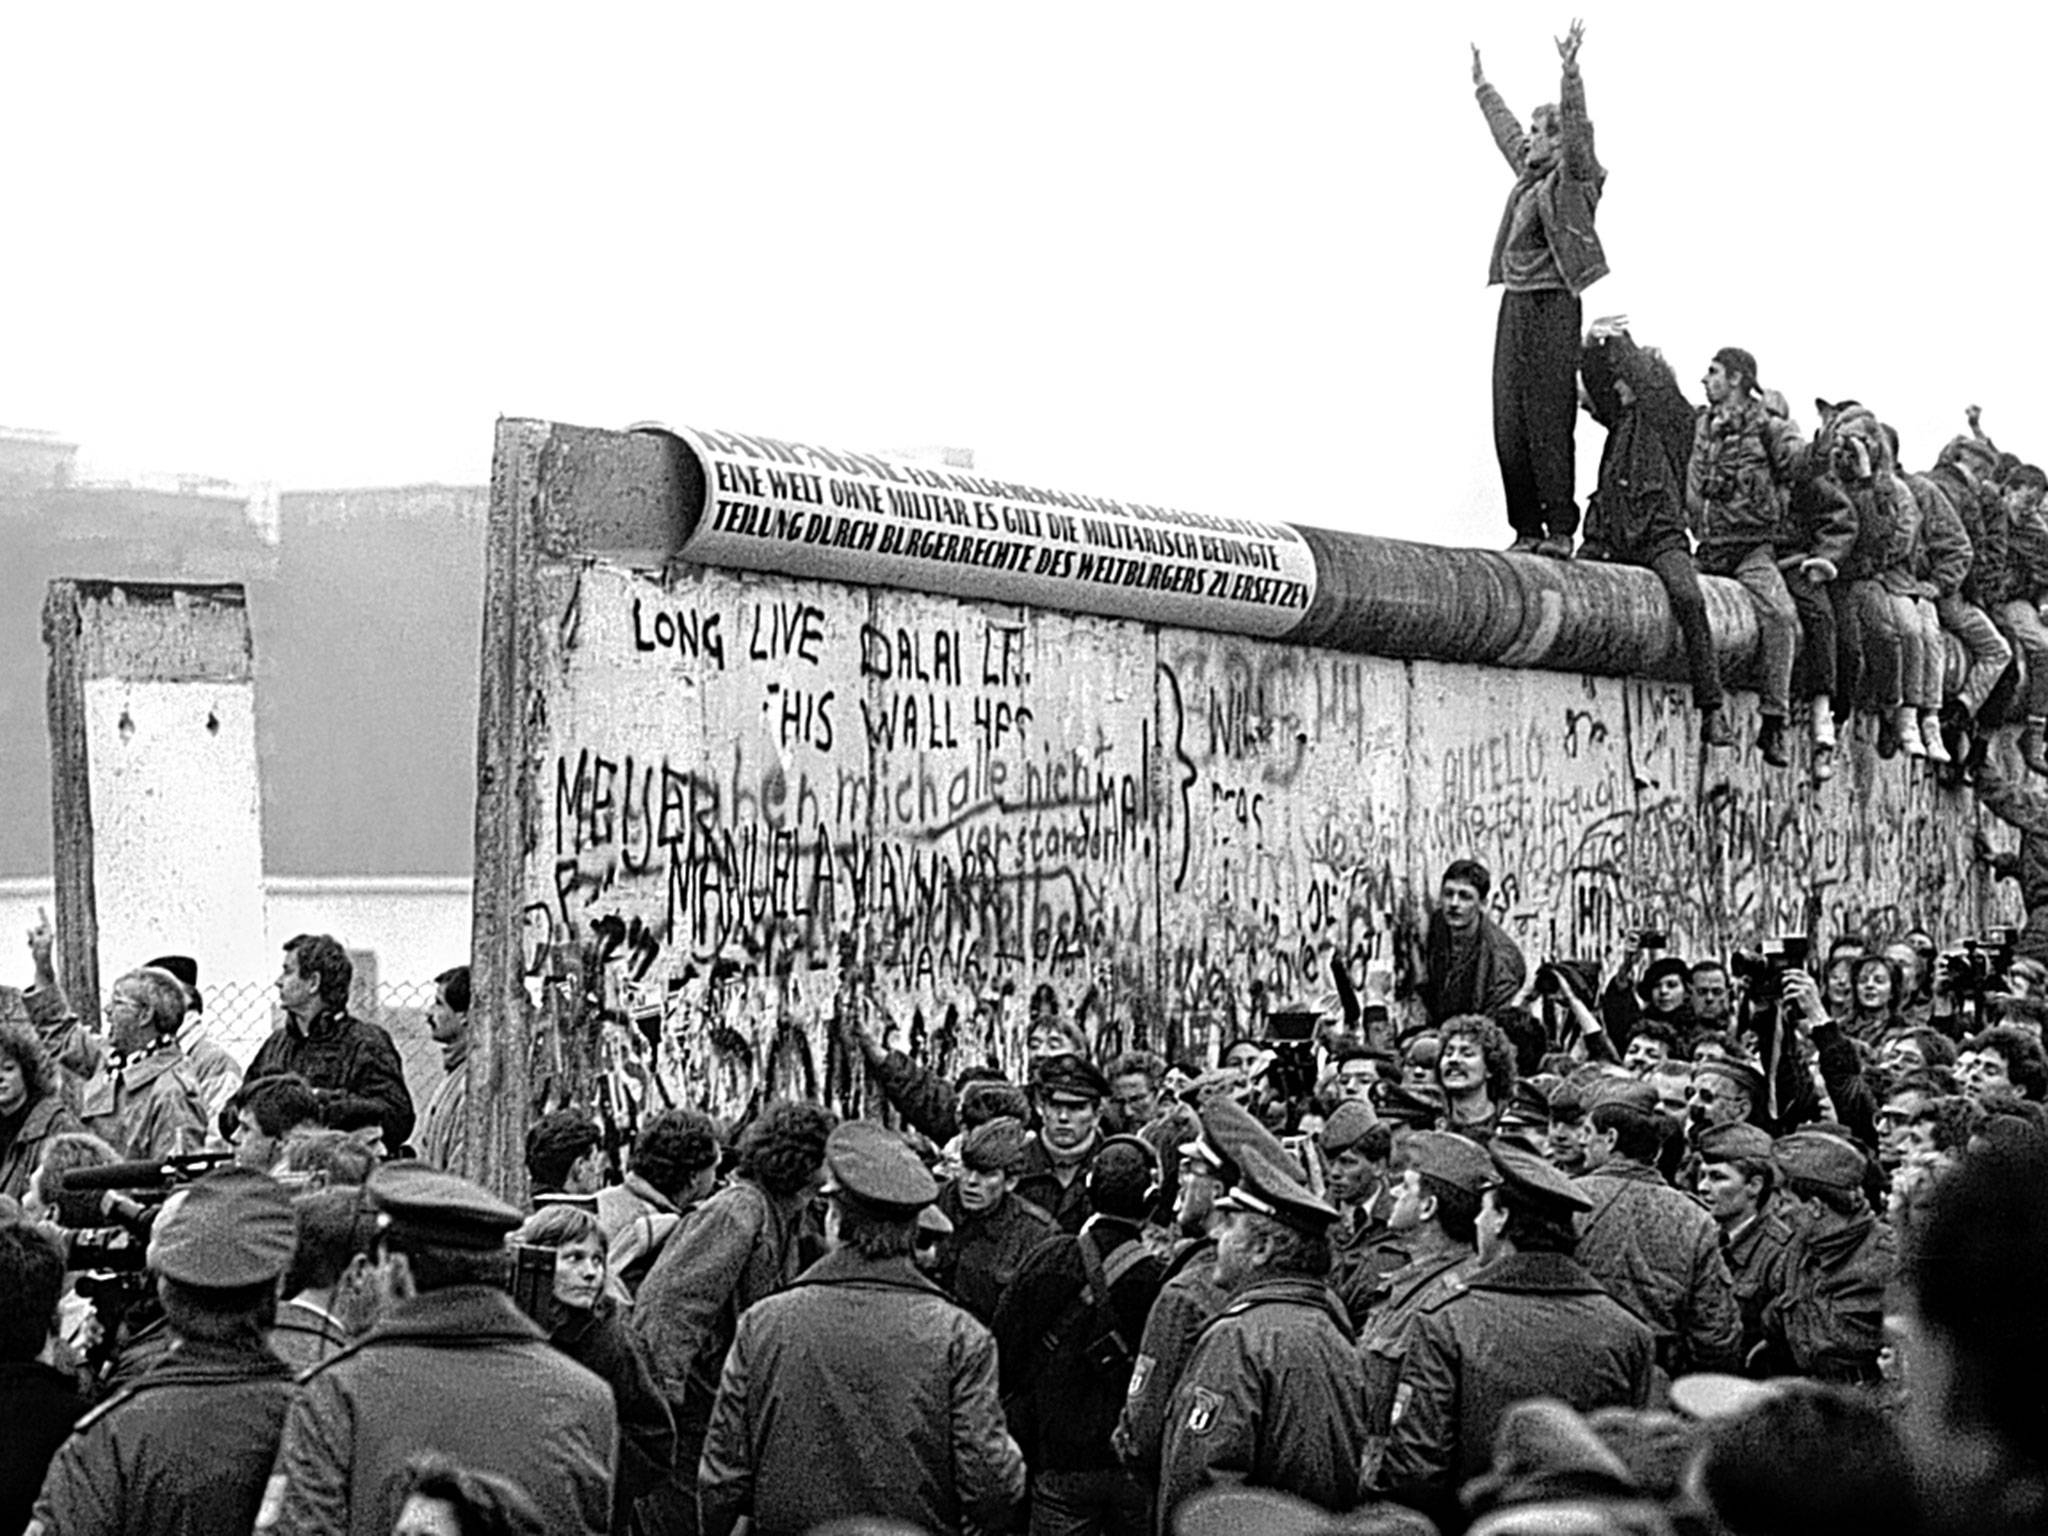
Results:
x,y
748,801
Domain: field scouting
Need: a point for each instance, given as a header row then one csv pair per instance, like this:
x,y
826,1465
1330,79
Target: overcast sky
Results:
x,y
1224,257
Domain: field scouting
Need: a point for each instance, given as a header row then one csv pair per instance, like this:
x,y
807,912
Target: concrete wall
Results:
x,y
715,784
158,815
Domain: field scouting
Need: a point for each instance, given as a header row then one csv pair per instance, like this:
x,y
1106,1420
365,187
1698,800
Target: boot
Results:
x,y
1888,740
2034,744
1557,547
1715,730
1770,742
1930,736
1908,731
1823,723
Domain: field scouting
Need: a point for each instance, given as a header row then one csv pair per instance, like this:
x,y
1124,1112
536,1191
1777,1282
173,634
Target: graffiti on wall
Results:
x,y
769,805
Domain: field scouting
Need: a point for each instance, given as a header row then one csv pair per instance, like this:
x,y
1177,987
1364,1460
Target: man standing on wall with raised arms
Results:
x,y
1545,255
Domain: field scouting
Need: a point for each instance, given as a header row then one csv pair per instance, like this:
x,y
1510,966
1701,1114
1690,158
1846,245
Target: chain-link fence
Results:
x,y
241,1014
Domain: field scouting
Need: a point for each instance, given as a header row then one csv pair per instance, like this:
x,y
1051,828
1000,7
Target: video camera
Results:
x,y
1978,965
1291,1037
1763,973
107,1214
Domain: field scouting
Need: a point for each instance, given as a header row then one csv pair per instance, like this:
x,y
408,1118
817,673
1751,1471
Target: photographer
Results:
x,y
1566,985
1849,1093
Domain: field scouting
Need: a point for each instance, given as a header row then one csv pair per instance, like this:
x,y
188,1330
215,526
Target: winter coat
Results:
x,y
1526,1325
735,1249
984,1251
859,1390
46,1117
1567,194
1273,1397
1188,1302
1756,1259
1941,553
1638,508
1659,1255
1819,522
1741,456
1887,523
462,1371
1982,515
186,1451
1829,1319
1064,1376
1389,1324
598,1339
1498,970
353,1066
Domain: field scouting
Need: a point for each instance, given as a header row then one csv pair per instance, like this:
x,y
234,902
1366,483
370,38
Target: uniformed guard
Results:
x,y
1530,1322
452,1366
1735,1181
862,1390
186,1449
1828,1322
1274,1393
1191,1296
1436,1209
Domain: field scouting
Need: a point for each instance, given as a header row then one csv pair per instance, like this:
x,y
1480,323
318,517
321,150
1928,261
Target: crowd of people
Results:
x,y
1858,568
1748,1243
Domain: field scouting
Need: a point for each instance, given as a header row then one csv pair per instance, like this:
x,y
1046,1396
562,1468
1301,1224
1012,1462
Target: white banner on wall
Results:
x,y
862,518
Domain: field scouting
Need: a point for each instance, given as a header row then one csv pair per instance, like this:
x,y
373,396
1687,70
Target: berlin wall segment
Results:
x,y
746,776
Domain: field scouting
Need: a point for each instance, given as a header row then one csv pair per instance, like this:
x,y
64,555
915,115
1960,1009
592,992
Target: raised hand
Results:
x,y
1568,45
1478,72
1608,325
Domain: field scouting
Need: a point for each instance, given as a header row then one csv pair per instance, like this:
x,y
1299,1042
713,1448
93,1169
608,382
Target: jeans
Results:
x,y
1777,624
1922,651
2021,621
1884,658
1987,649
1111,1502
1815,675
1681,578
1536,409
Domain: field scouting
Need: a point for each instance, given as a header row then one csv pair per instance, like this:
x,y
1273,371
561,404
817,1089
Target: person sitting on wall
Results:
x,y
1636,516
352,1064
1742,458
1469,964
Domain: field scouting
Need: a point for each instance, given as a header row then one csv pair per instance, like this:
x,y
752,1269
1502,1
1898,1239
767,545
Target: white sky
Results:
x,y
1225,257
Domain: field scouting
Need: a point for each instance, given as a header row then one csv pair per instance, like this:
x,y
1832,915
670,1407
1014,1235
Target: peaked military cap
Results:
x,y
444,1209
875,1166
1071,1073
235,1227
1229,1132
1402,1105
1267,1185
1529,1177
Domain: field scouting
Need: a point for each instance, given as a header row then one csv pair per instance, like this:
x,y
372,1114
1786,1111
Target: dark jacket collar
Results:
x,y
845,1266
1551,1273
478,1312
204,1360
1626,1169
327,1023
1298,1291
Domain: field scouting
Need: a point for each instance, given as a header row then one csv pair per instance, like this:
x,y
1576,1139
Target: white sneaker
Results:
x,y
1823,723
1909,732
1930,735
